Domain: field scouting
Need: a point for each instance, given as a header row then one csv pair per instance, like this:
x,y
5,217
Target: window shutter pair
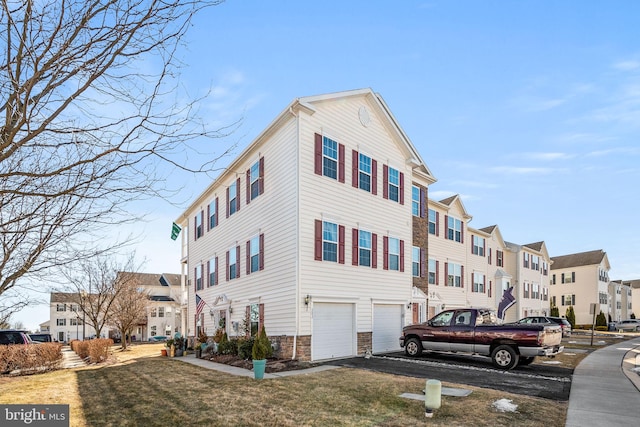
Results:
x,y
260,254
260,180
318,242
355,172
317,158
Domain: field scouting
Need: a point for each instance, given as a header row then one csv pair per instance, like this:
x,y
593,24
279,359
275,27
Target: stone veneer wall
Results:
x,y
420,239
365,342
284,345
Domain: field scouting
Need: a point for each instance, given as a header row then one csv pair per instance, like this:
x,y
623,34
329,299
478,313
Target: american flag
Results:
x,y
199,304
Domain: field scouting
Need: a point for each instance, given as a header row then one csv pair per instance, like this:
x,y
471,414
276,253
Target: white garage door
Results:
x,y
333,331
387,327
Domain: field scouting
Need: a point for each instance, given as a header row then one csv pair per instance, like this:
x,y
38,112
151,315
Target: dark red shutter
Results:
x,y
195,227
374,250
446,273
217,212
471,245
437,272
261,174
341,244
247,319
228,202
446,226
318,155
385,181
354,168
248,186
261,251
195,279
489,256
227,269
437,224
402,188
248,258
462,276
318,240
238,195
208,216
461,232
401,255
238,262
374,177
354,246
208,273
215,274
260,317
341,163
385,252
484,283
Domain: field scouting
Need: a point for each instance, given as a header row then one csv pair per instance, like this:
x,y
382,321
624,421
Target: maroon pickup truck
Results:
x,y
471,330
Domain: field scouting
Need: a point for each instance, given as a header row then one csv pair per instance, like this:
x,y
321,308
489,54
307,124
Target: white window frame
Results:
x,y
329,241
478,282
254,254
433,271
394,184
364,247
454,229
329,157
254,177
415,261
415,200
364,171
454,275
478,245
233,196
432,222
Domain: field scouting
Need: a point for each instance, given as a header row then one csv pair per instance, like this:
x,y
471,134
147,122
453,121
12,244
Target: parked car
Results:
x,y
14,336
41,337
564,323
476,331
631,325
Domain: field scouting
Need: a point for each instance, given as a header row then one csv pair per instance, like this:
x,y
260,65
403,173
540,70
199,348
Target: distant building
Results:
x,y
164,317
579,280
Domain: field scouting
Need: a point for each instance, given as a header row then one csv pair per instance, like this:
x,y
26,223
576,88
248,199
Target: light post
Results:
x,y
84,294
77,320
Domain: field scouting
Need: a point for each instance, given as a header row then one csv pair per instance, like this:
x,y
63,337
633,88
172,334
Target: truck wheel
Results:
x,y
413,347
526,360
504,357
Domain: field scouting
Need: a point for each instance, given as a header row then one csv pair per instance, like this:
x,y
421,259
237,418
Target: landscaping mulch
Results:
x,y
273,365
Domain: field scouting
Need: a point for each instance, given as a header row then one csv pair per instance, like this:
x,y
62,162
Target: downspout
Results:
x,y
297,230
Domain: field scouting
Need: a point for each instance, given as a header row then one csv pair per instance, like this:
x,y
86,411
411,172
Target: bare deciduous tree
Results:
x,y
91,118
129,308
94,285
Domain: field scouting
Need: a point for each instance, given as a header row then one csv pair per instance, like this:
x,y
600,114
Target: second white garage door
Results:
x,y
387,327
333,331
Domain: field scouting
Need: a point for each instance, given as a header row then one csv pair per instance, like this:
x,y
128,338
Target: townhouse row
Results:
x,y
329,239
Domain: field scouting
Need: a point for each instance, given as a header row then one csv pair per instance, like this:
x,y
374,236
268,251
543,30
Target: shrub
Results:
x,y
602,328
245,346
601,320
226,347
571,316
29,359
99,349
262,346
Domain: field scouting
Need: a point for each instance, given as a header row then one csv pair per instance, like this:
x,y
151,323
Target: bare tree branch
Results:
x,y
91,119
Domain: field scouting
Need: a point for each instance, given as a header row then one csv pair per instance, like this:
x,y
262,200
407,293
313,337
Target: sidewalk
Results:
x,y
70,359
234,370
605,389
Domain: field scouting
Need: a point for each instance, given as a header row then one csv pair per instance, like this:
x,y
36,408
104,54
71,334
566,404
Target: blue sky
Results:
x,y
530,110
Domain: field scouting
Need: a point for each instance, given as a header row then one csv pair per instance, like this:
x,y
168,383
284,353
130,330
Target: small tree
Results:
x,y
555,312
261,346
129,308
601,319
571,316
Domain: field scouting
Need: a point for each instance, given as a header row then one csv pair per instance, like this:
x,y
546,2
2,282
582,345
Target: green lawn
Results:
x,y
144,389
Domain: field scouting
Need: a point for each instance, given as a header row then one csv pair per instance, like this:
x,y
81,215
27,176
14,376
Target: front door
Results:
x,y
60,336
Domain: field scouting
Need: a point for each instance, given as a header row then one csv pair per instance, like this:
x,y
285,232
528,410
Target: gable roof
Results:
x,y
580,259
452,200
153,279
305,104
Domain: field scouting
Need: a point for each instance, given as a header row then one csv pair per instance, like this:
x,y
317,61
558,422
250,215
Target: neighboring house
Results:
x,y
66,321
44,327
528,265
310,232
622,295
164,316
471,267
580,280
634,286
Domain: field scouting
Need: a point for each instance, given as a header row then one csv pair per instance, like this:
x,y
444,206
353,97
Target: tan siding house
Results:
x,y
310,231
580,280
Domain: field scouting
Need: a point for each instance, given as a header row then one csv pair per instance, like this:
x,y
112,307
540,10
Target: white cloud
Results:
x,y
548,156
519,170
475,184
628,65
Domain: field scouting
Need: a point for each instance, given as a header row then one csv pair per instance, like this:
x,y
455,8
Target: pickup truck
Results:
x,y
476,331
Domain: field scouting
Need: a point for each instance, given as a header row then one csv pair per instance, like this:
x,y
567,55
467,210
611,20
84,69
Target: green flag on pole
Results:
x,y
175,230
